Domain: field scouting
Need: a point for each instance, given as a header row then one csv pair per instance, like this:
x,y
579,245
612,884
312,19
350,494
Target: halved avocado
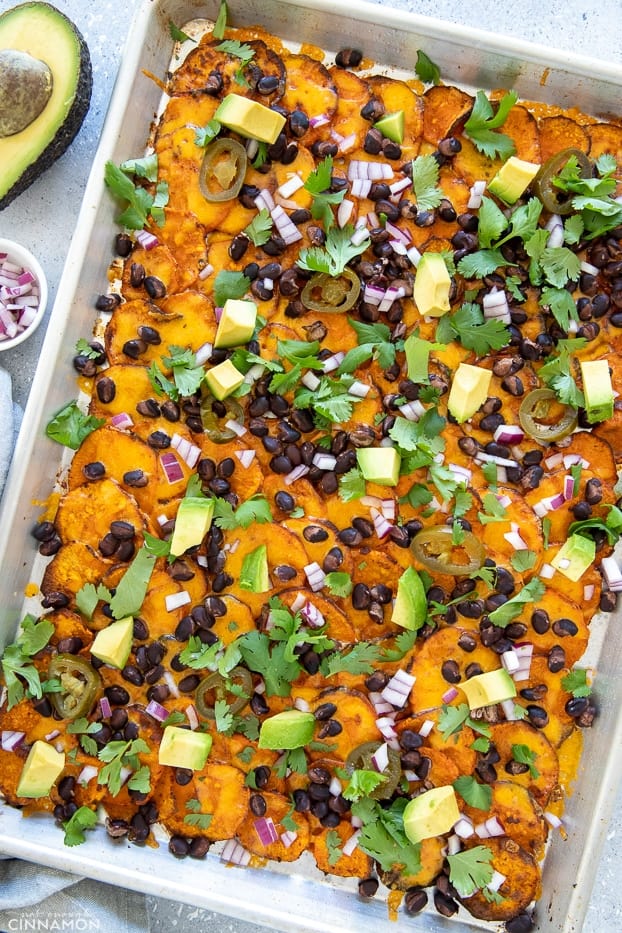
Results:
x,y
51,43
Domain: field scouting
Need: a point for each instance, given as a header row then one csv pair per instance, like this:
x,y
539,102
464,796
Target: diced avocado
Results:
x,y
292,728
249,118
431,814
575,556
254,573
432,286
237,323
410,609
513,179
223,379
392,126
183,748
113,644
489,688
41,768
192,522
380,465
597,389
38,118
469,390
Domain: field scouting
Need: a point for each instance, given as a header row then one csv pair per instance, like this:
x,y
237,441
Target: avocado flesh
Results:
x,y
44,33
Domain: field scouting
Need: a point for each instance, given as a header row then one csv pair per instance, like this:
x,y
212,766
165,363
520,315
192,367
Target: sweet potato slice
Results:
x,y
445,107
191,77
606,138
309,87
71,567
543,780
331,860
518,813
357,717
432,858
397,95
558,133
443,645
521,885
221,794
85,513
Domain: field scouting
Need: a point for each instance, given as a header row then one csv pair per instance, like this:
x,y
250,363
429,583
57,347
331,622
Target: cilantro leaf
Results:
x,y
119,755
339,583
483,122
133,585
187,376
358,660
204,135
503,615
351,485
177,34
475,332
362,783
425,172
561,304
523,559
16,666
84,348
557,374
576,682
141,780
495,512
612,525
318,185
382,835
472,792
470,870
260,227
223,716
330,401
426,70
480,263
89,595
197,655
240,50
268,658
74,827
70,426
452,718
228,284
140,201
255,509
525,756
333,846
201,820
336,253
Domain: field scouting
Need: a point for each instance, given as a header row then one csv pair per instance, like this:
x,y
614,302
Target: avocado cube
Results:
x,y
432,286
391,125
489,688
432,813
41,768
249,118
469,391
410,608
182,748
597,389
292,728
380,465
513,179
236,324
575,556
192,522
113,644
254,573
223,380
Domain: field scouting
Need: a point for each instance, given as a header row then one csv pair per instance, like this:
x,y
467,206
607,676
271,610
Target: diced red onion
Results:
x,y
174,601
162,519
373,294
398,247
453,844
206,271
289,187
324,461
515,541
335,786
333,362
172,467
312,615
524,654
413,410
359,236
351,843
372,219
310,380
553,461
588,591
386,726
218,314
264,200
299,471
588,267
387,507
463,827
397,233
460,472
574,460
155,709
569,484
414,255
547,571
320,119
381,525
506,502
203,353
496,881
147,240
371,502
509,434
302,705
285,225
188,452
391,294
235,426
245,457
376,171
360,187
52,735
552,819
509,710
490,458
11,739
252,148
298,603
344,212
426,727
171,683
193,719
612,574
489,828
315,576
105,707
235,854
359,389
201,560
476,193
122,420
288,838
450,694
400,185
87,774
380,758
510,661
397,690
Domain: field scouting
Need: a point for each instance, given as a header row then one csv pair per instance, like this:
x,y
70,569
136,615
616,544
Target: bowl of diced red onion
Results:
x,y
23,294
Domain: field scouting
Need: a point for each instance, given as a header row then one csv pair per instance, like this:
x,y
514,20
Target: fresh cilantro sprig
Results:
x,y
230,284
133,585
558,375
70,426
611,525
359,659
470,870
351,485
74,827
195,817
21,677
84,348
474,332
361,783
425,173
419,441
330,402
118,755
525,756
198,655
472,792
140,203
339,583
290,628
333,257
426,70
241,50
85,730
187,376
260,228
576,682
374,341
483,123
382,835
452,718
177,34
256,509
530,593
333,846
318,185
204,135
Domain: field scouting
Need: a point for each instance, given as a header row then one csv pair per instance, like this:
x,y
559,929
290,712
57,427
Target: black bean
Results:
x,y
258,704
333,560
72,644
368,887
189,683
314,534
44,531
608,601
284,573
159,693
576,706
154,286
523,923
330,728
132,674
55,600
178,846
199,847
117,695
257,804
325,711
159,440
471,608
411,740
94,470
376,681
451,671
537,716
593,491
565,627
467,642
348,58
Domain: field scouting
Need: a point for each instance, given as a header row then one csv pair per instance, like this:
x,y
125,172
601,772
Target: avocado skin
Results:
x,y
68,131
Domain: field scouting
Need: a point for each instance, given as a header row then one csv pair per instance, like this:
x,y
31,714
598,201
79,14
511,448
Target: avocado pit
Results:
x,y
25,88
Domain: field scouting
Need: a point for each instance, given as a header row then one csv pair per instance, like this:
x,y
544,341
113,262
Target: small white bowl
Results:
x,y
18,254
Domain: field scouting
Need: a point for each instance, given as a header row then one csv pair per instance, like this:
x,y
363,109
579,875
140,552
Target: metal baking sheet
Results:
x,y
292,898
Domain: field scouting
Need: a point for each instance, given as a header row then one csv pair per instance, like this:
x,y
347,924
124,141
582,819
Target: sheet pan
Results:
x,y
280,897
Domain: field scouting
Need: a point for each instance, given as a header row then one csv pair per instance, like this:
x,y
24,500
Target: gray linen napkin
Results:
x,y
33,897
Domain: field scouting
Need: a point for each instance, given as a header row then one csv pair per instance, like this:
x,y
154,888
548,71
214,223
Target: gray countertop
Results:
x,y
43,219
